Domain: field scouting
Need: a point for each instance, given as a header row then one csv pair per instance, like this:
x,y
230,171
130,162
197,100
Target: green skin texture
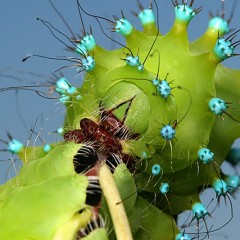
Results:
x,y
198,76
28,193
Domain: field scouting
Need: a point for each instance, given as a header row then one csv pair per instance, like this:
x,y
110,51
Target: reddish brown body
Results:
x,y
106,135
111,124
90,131
76,136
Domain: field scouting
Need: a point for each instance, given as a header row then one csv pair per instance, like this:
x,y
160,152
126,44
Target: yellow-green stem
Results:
x,y
115,205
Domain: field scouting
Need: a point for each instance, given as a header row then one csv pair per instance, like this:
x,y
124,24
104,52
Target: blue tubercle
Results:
x,y
233,182
64,98
184,13
64,88
221,187
88,42
164,188
88,63
60,131
223,49
199,211
168,132
134,61
86,45
124,27
182,236
156,169
62,85
164,89
81,49
14,146
71,90
155,82
205,155
47,148
219,25
217,106
140,68
146,17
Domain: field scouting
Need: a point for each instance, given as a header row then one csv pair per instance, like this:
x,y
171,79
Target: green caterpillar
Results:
x,y
166,96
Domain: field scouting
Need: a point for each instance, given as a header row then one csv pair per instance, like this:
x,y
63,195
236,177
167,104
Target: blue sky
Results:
x,y
22,34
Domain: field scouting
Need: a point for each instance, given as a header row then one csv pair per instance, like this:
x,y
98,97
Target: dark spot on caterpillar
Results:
x,y
85,159
94,192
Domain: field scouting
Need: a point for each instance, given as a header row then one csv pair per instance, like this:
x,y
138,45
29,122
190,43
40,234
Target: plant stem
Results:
x,y
115,205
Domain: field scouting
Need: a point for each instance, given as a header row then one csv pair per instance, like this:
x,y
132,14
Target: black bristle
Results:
x,y
94,192
85,159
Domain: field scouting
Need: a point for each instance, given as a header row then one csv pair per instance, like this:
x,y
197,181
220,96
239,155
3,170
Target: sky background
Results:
x,y
22,34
